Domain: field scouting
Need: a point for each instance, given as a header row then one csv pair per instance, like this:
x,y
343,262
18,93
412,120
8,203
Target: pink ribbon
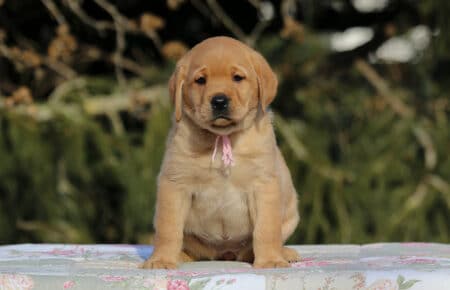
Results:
x,y
227,153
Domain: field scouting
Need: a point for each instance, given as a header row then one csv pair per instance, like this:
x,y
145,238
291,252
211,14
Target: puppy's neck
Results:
x,y
197,140
190,138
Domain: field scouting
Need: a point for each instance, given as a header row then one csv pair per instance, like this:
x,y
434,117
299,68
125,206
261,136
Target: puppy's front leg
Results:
x,y
172,207
267,240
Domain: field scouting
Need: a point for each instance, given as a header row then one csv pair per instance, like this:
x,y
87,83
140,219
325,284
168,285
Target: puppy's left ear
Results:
x,y
267,80
176,83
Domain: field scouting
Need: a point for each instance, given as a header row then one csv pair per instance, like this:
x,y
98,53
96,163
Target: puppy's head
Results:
x,y
220,83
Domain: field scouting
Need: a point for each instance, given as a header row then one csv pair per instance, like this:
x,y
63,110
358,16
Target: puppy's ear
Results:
x,y
267,80
176,83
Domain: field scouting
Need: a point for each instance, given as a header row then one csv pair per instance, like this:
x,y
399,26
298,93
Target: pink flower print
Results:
x,y
242,270
59,252
76,251
160,284
374,246
308,262
111,278
155,284
177,285
360,281
218,282
13,281
190,273
68,284
415,245
383,284
147,283
231,281
420,261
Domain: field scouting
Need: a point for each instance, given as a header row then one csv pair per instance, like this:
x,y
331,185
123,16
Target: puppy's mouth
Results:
x,y
222,122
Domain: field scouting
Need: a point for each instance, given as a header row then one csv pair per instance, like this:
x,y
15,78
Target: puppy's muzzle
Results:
x,y
220,105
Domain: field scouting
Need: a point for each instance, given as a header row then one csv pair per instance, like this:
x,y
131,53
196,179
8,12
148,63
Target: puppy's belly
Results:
x,y
220,216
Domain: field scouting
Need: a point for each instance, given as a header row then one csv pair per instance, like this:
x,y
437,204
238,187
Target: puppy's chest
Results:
x,y
220,191
220,200
219,212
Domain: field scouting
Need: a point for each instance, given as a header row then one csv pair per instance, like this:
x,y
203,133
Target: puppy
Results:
x,y
224,190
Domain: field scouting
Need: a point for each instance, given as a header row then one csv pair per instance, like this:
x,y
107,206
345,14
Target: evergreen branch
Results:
x,y
257,31
120,38
155,38
255,3
116,123
64,88
441,185
93,106
58,67
120,25
425,141
286,8
298,148
91,53
203,9
129,65
112,10
99,25
99,105
417,198
226,20
53,9
412,203
302,153
383,89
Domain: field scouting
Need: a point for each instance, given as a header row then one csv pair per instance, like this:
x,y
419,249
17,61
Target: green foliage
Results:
x,y
66,181
402,284
365,170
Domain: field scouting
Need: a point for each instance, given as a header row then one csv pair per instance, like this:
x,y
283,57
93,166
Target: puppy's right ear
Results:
x,y
266,78
176,83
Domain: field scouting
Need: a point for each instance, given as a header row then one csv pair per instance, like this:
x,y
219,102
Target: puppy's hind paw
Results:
x,y
158,264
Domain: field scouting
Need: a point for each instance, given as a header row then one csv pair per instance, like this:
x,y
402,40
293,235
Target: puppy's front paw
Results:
x,y
159,264
290,255
271,263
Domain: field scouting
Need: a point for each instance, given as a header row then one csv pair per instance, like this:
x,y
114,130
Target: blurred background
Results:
x,y
362,114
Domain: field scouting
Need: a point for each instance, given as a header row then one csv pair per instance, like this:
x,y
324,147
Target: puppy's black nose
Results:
x,y
219,103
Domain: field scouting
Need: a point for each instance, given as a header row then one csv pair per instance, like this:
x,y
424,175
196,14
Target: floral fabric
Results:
x,y
368,267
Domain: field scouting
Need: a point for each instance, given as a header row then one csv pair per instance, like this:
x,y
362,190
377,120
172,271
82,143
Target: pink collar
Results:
x,y
227,154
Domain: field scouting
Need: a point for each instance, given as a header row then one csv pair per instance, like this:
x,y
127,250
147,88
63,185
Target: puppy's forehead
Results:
x,y
219,53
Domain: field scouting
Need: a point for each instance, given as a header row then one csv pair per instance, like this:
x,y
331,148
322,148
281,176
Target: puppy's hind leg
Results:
x,y
198,250
246,254
185,258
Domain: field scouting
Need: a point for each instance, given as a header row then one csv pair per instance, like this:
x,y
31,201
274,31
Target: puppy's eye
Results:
x,y
237,78
200,80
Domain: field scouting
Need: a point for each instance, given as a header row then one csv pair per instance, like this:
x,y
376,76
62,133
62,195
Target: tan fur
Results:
x,y
208,211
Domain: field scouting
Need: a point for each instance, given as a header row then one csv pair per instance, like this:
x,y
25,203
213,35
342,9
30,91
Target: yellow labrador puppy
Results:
x,y
224,191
